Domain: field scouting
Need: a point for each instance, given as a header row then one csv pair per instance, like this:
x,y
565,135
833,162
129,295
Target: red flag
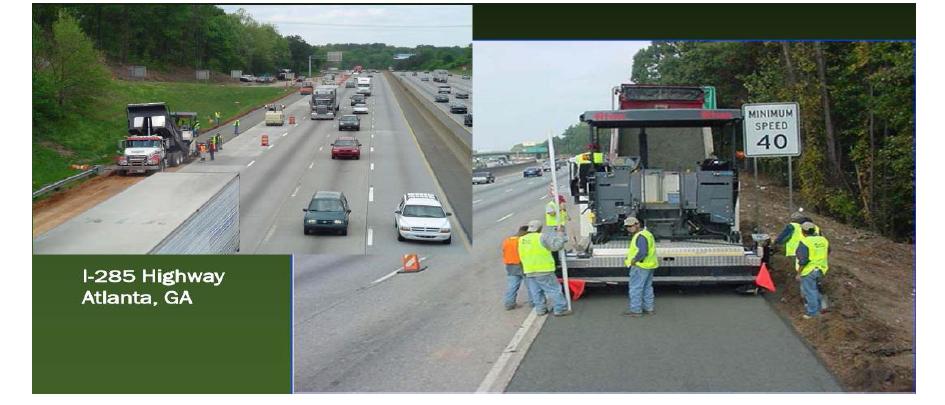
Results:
x,y
576,286
764,279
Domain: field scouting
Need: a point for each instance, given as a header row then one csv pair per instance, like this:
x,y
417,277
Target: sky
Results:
x,y
406,26
523,89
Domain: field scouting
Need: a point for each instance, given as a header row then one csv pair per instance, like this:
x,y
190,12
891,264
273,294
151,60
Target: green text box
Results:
x,y
234,338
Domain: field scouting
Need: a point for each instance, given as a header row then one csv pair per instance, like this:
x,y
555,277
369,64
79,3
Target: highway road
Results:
x,y
361,327
429,88
277,181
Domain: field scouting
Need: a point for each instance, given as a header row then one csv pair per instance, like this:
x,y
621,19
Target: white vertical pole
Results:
x,y
554,196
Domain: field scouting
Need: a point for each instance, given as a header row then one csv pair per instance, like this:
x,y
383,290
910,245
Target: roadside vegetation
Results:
x,y
79,110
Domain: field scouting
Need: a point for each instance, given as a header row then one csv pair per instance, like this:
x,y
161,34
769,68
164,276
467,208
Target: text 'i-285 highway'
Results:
x,y
130,278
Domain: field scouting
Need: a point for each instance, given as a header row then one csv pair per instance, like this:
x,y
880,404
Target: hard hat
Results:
x,y
807,226
534,225
630,221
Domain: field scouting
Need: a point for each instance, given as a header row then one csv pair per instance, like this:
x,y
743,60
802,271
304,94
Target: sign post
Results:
x,y
554,196
773,130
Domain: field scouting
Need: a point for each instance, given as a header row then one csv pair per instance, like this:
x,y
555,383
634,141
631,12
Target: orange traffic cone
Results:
x,y
764,279
576,286
411,263
265,140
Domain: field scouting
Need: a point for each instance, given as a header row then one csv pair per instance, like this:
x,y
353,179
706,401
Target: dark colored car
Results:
x,y
346,147
349,123
357,99
462,94
458,108
441,98
424,79
483,178
467,120
532,172
328,211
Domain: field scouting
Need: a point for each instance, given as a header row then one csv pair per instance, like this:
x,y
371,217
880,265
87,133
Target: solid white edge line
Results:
x,y
370,236
503,364
250,163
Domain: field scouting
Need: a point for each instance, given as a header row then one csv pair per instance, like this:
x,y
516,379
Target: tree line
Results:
x,y
203,36
857,116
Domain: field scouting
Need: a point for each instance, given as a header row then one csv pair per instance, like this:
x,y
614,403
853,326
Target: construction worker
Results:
x,y
216,116
213,146
641,262
552,209
812,252
513,268
792,233
196,129
236,127
535,251
219,141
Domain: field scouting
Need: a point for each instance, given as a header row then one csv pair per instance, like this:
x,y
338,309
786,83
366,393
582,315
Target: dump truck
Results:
x,y
664,170
154,139
324,103
275,114
167,213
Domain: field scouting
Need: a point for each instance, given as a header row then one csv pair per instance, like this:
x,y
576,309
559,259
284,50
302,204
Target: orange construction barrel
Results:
x,y
265,140
291,120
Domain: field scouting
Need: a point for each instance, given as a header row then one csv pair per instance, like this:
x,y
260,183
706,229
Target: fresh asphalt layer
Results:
x,y
701,339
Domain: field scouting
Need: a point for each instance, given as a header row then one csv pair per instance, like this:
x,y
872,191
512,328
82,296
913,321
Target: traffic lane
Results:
x,y
429,93
428,326
399,168
447,158
704,339
321,173
251,119
255,163
499,197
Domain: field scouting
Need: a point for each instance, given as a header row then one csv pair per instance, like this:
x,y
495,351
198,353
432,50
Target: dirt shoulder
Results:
x,y
867,338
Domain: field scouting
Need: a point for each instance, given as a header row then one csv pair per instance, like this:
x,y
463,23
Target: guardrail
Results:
x,y
95,170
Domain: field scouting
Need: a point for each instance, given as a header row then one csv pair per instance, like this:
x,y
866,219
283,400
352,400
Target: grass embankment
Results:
x,y
92,139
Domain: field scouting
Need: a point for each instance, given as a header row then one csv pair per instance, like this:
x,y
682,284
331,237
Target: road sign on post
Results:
x,y
334,56
772,129
709,102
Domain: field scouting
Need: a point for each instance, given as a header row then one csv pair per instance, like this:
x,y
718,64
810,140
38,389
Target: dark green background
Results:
x,y
235,338
693,21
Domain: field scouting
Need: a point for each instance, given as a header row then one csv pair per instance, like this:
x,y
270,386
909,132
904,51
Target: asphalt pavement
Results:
x,y
277,181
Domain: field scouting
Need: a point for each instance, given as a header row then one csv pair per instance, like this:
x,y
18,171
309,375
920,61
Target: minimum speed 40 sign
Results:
x,y
772,129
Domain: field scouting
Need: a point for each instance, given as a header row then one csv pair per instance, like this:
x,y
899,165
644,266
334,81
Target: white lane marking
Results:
x,y
543,197
370,195
509,190
270,146
476,201
370,236
320,148
296,190
372,135
372,149
250,163
285,134
372,166
311,165
270,233
516,345
394,273
505,217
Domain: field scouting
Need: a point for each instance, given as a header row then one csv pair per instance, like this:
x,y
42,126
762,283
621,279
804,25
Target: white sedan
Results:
x,y
360,108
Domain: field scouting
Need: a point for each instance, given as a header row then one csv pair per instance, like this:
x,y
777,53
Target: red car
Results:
x,y
346,147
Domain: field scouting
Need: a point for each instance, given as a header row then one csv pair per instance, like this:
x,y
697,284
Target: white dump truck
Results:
x,y
275,114
166,213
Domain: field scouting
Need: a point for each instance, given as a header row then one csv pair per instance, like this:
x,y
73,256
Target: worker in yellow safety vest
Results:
x,y
812,252
535,252
792,233
552,208
641,262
